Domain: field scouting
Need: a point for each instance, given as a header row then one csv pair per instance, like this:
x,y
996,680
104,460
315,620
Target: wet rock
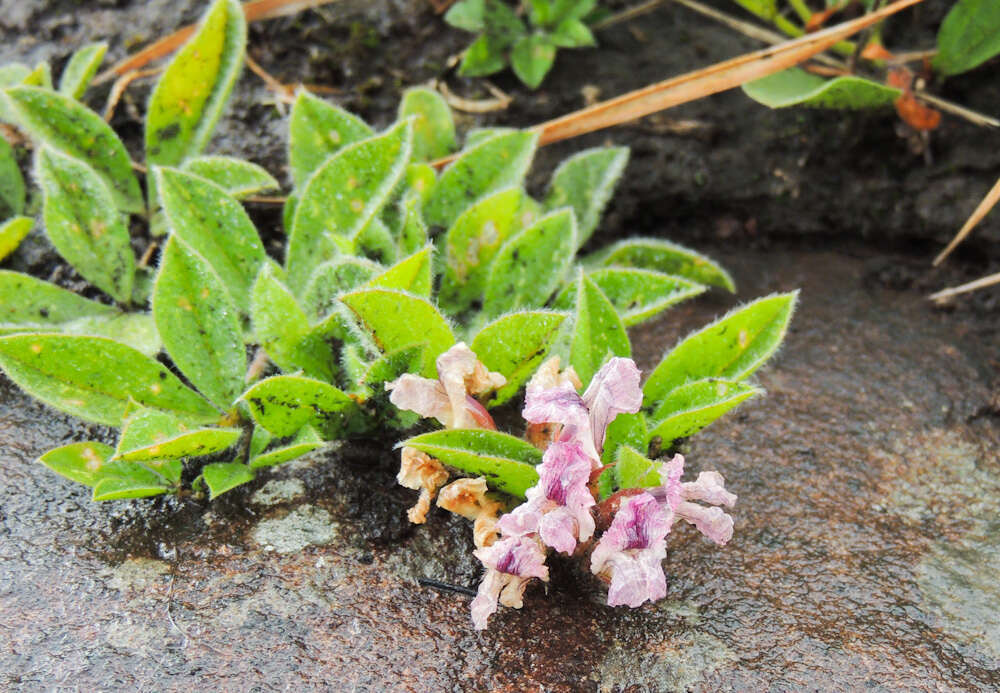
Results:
x,y
278,491
304,526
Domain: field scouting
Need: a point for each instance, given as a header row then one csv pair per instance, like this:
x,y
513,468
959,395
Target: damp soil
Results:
x,y
866,545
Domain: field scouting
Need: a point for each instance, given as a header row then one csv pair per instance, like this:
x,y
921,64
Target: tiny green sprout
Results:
x,y
504,38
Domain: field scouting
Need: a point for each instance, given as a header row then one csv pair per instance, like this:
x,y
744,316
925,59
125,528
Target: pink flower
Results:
x,y
613,390
510,563
558,506
708,487
449,399
631,551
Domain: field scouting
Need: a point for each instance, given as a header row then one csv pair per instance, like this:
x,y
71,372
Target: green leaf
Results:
x,y
81,68
585,182
216,227
13,74
411,274
25,300
508,463
572,33
225,476
333,278
597,331
413,231
137,330
316,131
467,15
95,378
237,177
483,57
85,463
12,192
663,256
634,470
12,232
514,346
390,366
470,245
969,36
283,331
433,125
41,76
732,347
305,442
639,294
283,404
73,129
796,87
374,240
395,320
342,197
689,408
198,324
83,224
189,98
497,163
572,9
149,434
134,481
531,265
625,429
532,58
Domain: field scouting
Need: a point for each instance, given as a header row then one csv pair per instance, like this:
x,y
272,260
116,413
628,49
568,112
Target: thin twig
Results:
x,y
285,94
859,46
630,13
965,288
500,101
119,87
988,203
974,117
266,199
448,587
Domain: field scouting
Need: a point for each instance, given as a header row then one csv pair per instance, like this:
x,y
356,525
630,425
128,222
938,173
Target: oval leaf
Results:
x,y
198,324
80,69
496,163
634,470
237,177
411,274
796,87
639,294
316,131
225,476
732,347
12,232
25,300
342,197
283,404
663,256
216,227
532,58
585,182
333,278
689,408
95,378
83,224
73,129
433,125
12,192
598,332
514,346
305,442
85,463
396,320
969,36
531,265
137,330
188,99
507,463
149,434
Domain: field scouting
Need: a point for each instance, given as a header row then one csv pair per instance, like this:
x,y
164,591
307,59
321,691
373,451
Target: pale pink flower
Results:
x,y
708,487
510,563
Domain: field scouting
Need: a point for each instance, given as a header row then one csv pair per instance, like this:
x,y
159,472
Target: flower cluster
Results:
x,y
559,511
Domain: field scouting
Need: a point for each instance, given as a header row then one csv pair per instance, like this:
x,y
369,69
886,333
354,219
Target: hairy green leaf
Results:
x,y
597,331
333,278
507,463
639,294
225,476
342,197
81,68
12,192
585,182
216,227
514,346
25,300
732,347
85,463
497,163
531,265
689,408
433,125
316,131
12,232
83,224
572,33
625,429
532,58
283,404
137,330
95,378
663,256
304,442
411,274
190,95
395,320
634,470
237,177
468,15
796,87
198,324
969,36
149,434
73,129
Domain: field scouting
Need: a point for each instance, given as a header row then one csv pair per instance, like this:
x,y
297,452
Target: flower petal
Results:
x,y
461,373
709,487
613,390
421,395
637,578
420,471
710,521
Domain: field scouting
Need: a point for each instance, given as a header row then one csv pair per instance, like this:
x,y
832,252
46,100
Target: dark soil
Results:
x,y
865,553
